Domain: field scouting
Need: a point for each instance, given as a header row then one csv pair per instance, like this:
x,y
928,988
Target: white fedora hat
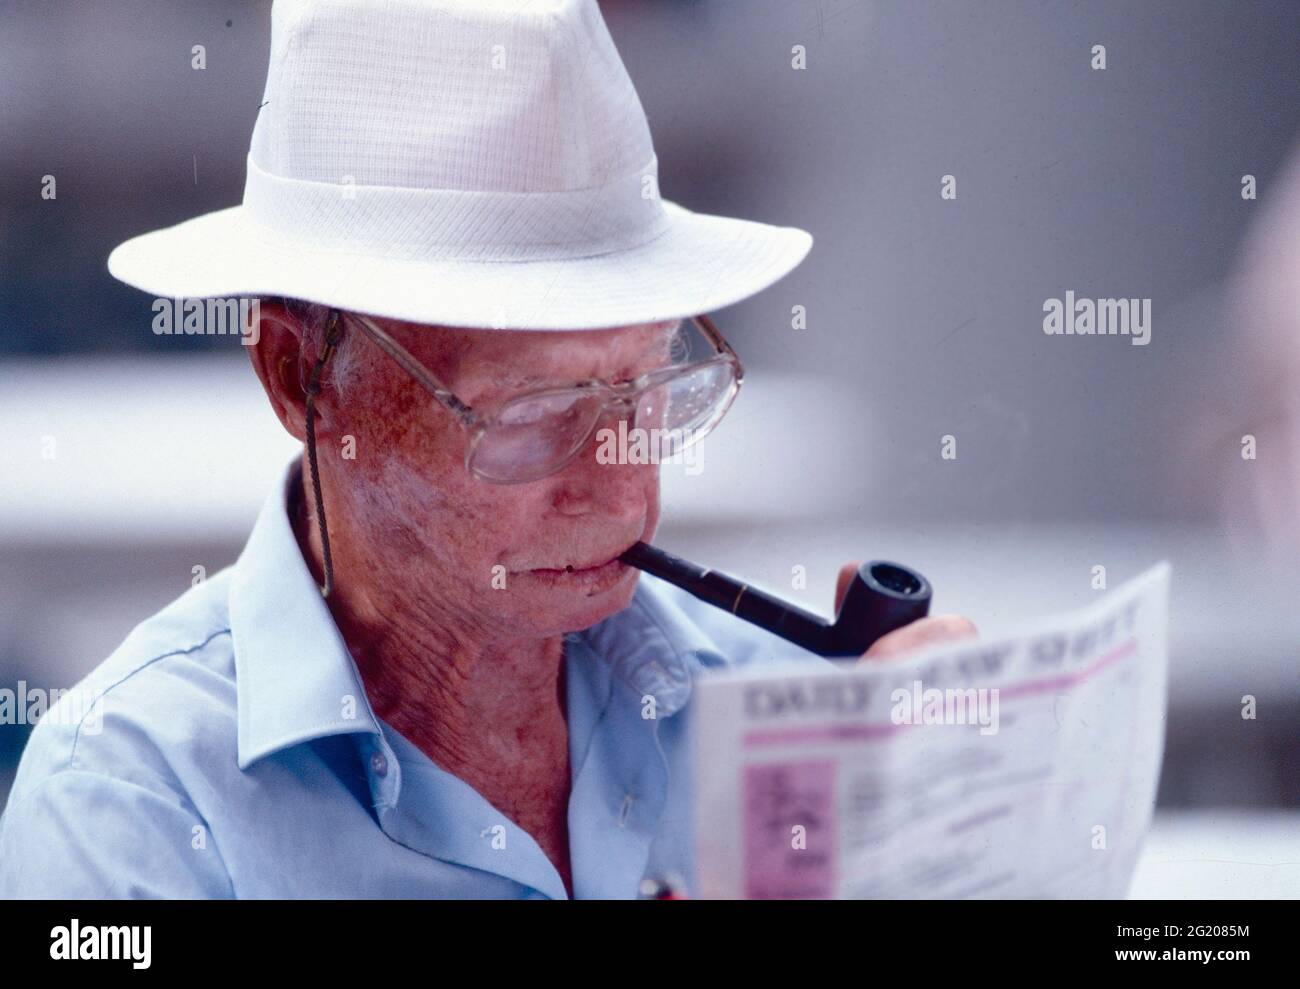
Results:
x,y
480,163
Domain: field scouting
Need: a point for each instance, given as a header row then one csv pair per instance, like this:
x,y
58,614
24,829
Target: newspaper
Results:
x,y
1021,767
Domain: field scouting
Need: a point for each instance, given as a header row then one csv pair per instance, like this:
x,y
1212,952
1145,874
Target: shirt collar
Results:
x,y
296,680
653,648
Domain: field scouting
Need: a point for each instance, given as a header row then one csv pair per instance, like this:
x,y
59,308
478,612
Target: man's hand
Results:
x,y
928,630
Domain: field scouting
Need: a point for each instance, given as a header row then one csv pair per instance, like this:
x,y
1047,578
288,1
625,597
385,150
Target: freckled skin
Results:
x,y
469,673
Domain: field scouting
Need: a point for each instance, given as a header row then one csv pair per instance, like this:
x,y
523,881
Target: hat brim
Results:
x,y
699,264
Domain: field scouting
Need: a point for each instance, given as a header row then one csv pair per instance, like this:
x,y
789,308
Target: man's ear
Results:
x,y
276,357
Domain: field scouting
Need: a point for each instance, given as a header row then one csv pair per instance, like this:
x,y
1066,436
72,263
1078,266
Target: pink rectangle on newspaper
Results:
x,y
789,830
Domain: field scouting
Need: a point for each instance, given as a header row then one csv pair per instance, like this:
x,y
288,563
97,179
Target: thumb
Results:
x,y
842,582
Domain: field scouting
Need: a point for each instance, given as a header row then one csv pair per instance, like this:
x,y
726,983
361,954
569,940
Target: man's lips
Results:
x,y
580,567
590,575
590,580
571,568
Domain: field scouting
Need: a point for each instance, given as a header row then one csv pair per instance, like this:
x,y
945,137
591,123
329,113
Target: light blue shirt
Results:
x,y
234,754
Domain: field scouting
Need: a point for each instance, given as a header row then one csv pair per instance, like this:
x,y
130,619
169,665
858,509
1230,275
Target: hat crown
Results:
x,y
476,163
467,95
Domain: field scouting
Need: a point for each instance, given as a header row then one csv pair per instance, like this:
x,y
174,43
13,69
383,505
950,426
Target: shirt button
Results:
x,y
379,763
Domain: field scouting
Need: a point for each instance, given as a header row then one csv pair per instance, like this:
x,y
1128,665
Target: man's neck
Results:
x,y
479,707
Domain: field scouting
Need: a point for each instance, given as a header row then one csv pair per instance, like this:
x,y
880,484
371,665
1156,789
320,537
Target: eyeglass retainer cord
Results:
x,y
333,334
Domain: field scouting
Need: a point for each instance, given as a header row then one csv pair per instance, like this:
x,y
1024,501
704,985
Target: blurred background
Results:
x,y
128,459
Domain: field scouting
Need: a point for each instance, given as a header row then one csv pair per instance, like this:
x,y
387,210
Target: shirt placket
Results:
x,y
619,796
431,812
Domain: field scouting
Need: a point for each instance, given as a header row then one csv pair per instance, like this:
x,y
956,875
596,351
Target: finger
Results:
x,y
924,632
842,582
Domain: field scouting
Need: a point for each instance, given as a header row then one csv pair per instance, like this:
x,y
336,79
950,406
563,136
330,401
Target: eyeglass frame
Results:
x,y
477,423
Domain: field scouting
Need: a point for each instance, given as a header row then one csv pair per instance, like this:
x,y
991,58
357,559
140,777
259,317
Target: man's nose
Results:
x,y
609,475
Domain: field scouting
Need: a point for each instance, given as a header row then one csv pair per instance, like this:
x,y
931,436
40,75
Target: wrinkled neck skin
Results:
x,y
473,698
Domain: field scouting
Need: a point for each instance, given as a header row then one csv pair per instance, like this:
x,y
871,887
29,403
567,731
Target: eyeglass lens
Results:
x,y
534,436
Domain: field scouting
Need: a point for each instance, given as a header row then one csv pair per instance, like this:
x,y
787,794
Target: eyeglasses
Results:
x,y
536,434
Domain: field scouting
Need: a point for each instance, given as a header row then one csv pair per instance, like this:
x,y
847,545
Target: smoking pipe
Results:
x,y
883,596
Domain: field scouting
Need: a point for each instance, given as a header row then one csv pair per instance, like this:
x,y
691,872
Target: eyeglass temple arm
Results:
x,y
719,341
416,370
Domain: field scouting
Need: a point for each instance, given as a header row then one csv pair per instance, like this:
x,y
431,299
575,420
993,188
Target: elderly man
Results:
x,y
465,270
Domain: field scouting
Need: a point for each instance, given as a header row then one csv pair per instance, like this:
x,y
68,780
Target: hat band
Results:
x,y
453,224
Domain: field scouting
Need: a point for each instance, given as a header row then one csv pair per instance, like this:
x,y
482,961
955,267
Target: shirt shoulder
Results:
x,y
104,802
168,688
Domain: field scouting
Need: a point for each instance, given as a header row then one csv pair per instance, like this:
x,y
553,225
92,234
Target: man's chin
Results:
x,y
579,603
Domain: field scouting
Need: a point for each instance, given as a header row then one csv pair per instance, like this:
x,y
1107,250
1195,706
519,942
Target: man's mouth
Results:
x,y
589,575
581,567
